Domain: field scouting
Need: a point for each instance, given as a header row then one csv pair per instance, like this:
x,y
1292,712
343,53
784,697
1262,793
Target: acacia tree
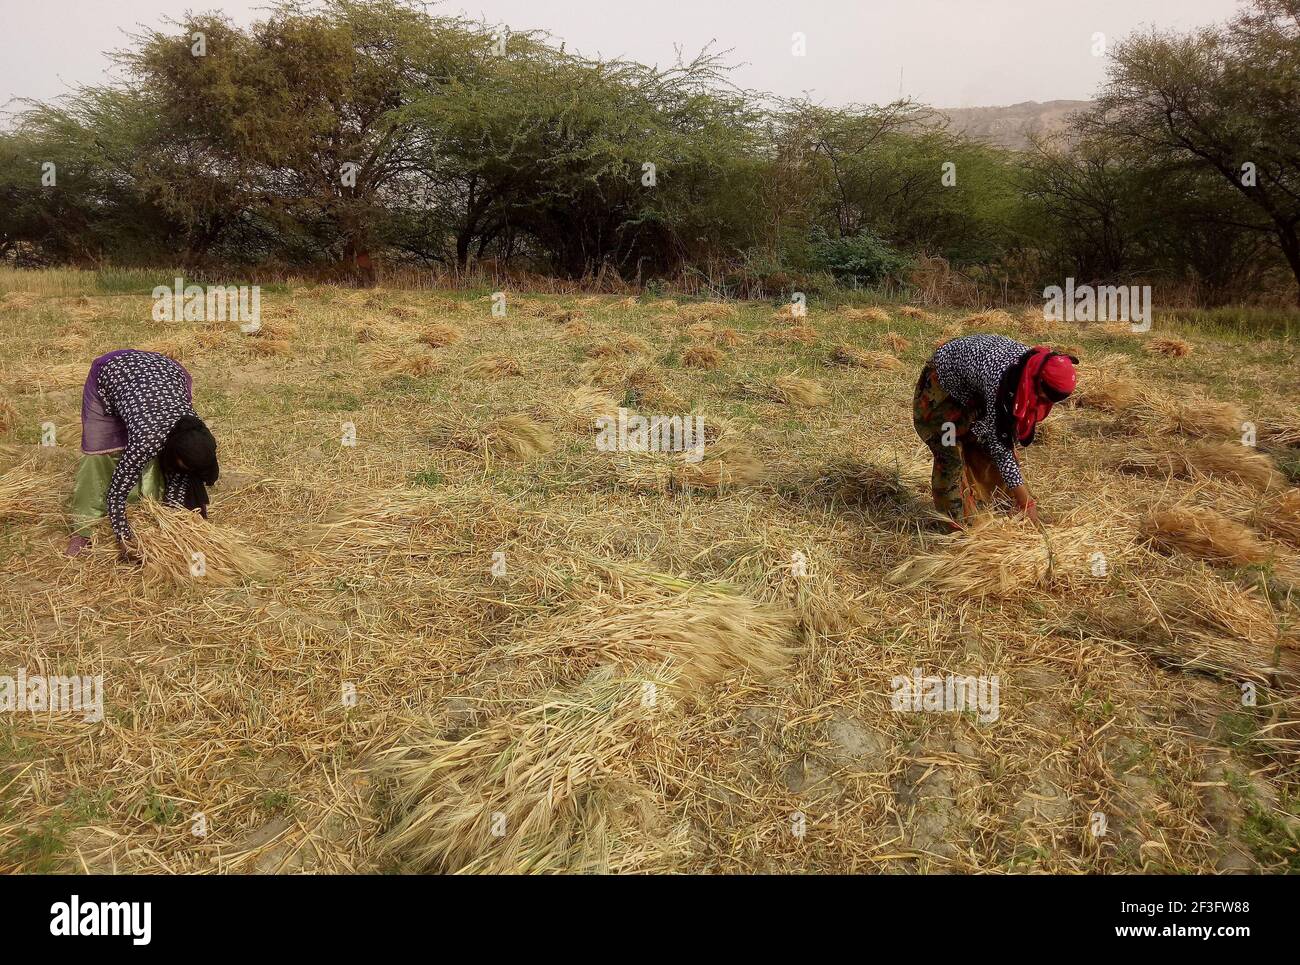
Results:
x,y
300,118
1223,100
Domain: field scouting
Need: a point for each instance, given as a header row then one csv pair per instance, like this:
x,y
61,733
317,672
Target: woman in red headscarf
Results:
x,y
977,399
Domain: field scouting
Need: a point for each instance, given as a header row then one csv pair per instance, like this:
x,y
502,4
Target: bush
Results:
x,y
862,258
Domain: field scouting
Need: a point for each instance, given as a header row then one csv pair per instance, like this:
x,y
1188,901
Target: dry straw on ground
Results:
x,y
29,494
612,717
845,354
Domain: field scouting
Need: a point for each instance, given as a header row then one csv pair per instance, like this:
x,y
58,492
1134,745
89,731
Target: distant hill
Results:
x,y
1010,126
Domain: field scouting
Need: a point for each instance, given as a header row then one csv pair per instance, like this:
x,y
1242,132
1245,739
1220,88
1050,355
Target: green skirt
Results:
x,y
90,490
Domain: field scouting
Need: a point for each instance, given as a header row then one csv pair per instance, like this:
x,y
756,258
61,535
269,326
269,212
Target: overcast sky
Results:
x,y
948,53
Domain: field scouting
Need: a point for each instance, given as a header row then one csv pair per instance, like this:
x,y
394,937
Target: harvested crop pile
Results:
x,y
1203,533
700,331
551,787
375,329
1283,432
514,436
803,334
705,312
1106,393
862,358
43,377
918,314
896,342
178,347
863,485
704,357
404,359
1174,348
1224,460
495,367
704,633
1204,624
866,315
790,390
518,437
619,346
439,335
725,463
581,407
1280,517
1195,417
994,318
176,546
1003,557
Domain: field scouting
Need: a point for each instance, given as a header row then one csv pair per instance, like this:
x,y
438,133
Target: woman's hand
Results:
x,y
1026,503
127,553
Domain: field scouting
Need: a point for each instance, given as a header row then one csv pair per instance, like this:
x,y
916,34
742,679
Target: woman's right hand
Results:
x,y
127,553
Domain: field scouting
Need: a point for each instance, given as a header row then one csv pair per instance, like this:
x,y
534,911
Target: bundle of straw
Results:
x,y
803,334
1107,393
866,315
1005,557
790,390
1199,418
619,346
580,408
518,796
1201,532
439,335
726,463
705,357
994,318
1204,625
516,436
1227,460
404,359
705,312
176,546
850,355
495,366
706,633
1280,518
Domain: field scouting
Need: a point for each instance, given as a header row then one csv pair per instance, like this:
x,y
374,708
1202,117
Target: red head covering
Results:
x,y
1056,372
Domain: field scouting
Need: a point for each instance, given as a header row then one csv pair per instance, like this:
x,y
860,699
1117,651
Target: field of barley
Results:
x,y
474,642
